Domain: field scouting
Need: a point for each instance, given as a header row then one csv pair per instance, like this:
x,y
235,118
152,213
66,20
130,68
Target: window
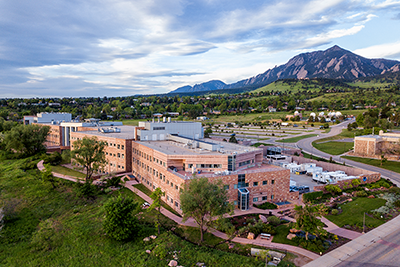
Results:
x,y
255,199
235,203
272,196
273,181
167,197
265,182
255,184
264,198
167,181
119,155
176,187
226,187
172,201
122,147
118,146
172,184
158,128
123,156
176,204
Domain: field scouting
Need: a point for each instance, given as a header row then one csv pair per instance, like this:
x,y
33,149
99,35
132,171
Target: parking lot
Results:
x,y
303,180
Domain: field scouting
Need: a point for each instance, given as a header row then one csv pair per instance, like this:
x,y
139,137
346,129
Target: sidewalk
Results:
x,y
357,245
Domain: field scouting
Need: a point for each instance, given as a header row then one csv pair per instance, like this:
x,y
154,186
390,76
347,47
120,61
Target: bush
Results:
x,y
334,212
86,189
309,197
266,206
273,220
355,182
334,189
361,194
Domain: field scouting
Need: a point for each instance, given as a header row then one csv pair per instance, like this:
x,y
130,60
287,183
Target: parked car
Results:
x,y
300,172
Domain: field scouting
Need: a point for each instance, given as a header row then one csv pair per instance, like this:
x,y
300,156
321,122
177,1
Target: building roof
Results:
x,y
178,148
127,132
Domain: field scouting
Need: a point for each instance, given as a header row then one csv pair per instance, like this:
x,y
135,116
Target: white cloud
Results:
x,y
389,50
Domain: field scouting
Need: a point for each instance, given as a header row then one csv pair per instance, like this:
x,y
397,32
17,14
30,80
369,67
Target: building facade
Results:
x,y
376,145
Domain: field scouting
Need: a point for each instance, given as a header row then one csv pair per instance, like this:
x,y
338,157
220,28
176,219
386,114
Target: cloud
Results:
x,y
388,50
152,46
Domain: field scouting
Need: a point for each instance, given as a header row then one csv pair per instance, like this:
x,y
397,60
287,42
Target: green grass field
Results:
x,y
353,212
334,148
296,139
388,165
74,236
66,171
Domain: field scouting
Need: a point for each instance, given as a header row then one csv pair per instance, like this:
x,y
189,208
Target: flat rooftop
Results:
x,y
259,167
177,148
127,132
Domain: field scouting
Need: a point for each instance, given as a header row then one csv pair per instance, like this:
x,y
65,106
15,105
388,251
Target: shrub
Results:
x,y
334,189
355,182
266,206
309,197
361,194
334,212
397,203
274,220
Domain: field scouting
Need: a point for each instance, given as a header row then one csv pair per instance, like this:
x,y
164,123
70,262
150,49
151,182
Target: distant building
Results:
x,y
375,145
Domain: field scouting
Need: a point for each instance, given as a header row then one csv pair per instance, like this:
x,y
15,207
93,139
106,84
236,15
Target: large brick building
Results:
x,y
169,154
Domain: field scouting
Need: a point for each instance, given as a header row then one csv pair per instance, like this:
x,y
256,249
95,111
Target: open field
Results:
x,y
388,165
353,212
334,148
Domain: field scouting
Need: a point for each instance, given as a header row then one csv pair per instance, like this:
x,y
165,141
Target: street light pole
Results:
x,y
364,224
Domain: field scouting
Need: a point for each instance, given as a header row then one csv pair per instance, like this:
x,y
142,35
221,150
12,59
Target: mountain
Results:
x,y
207,86
334,63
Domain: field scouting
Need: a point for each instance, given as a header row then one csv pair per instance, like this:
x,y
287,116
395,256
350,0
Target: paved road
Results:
x,y
306,145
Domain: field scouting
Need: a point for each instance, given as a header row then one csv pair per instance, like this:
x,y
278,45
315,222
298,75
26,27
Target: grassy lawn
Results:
x,y
296,139
353,212
281,233
74,236
67,171
334,148
388,165
147,191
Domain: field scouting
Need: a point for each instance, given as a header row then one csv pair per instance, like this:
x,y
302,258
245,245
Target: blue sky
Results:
x,y
59,48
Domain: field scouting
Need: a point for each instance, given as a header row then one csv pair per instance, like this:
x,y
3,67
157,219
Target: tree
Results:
x,y
27,139
156,196
306,219
204,201
120,222
89,153
47,176
233,139
334,189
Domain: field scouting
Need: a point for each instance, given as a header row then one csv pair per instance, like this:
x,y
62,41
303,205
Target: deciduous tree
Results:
x,y
89,153
204,201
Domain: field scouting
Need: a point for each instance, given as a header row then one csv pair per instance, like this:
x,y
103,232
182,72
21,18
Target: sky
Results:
x,y
85,48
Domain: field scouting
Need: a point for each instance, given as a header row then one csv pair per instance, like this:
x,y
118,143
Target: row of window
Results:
x,y
240,185
116,155
154,187
198,166
148,157
246,162
119,166
116,145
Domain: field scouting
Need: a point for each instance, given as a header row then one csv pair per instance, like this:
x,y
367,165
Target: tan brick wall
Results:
x,y
365,147
118,152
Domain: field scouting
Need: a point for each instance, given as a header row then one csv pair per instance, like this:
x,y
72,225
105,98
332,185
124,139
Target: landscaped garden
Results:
x,y
380,201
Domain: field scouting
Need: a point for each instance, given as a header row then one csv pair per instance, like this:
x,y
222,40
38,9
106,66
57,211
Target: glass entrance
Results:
x,y
243,198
